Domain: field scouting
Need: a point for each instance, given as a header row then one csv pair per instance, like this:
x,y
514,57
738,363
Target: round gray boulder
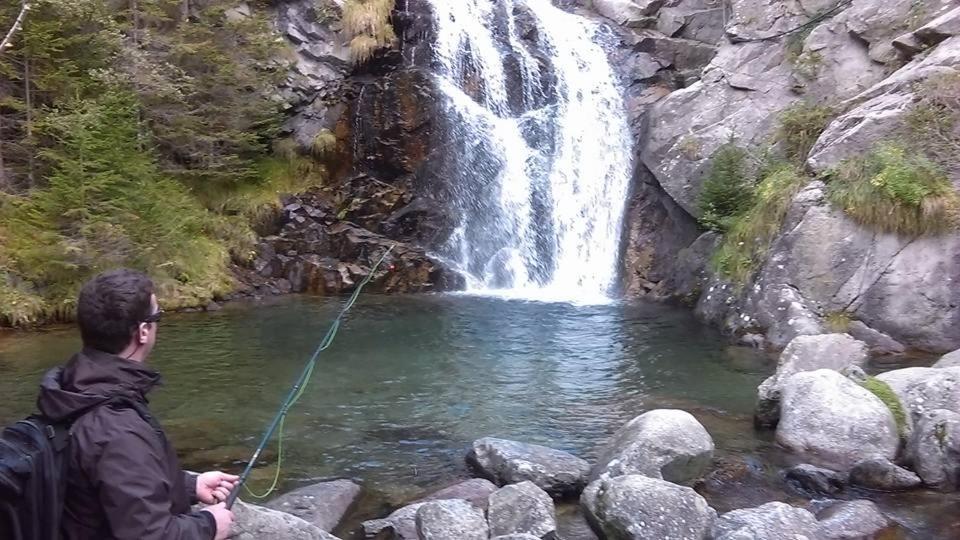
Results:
x,y
949,360
665,444
851,520
924,389
882,475
934,449
636,507
255,522
833,420
772,521
323,504
451,520
509,462
521,508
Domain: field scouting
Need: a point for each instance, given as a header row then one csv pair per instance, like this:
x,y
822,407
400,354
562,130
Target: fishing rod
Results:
x,y
298,388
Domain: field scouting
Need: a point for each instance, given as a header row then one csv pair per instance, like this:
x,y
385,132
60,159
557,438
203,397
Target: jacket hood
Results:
x,y
90,378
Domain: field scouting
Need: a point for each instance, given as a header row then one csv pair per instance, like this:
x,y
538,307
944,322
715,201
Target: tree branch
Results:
x,y
17,24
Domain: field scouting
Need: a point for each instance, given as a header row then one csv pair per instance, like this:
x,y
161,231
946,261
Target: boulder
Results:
x,y
400,525
816,480
940,29
521,509
882,475
475,490
934,449
806,353
664,444
323,504
851,520
516,537
451,520
878,342
772,521
949,360
631,13
924,389
636,507
255,522
508,462
692,19
826,416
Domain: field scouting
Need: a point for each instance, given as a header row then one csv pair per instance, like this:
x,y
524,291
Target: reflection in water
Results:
x,y
411,381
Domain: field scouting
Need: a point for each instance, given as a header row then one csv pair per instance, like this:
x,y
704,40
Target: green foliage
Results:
x,y
367,22
800,126
728,190
837,321
932,125
745,245
895,190
886,394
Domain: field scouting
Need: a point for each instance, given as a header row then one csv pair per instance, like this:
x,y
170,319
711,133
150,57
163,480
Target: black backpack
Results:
x,y
33,461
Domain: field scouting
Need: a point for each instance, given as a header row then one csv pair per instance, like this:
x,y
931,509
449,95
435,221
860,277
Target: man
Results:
x,y
123,478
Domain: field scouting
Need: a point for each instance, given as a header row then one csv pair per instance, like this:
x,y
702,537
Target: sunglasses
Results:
x,y
154,317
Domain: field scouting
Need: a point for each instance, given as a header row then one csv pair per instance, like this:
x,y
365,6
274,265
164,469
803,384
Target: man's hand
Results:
x,y
215,486
223,517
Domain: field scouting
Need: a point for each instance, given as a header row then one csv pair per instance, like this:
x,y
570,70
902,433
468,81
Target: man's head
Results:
x,y
117,313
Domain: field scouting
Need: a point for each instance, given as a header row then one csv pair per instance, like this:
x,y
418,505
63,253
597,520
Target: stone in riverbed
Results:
x,y
934,449
882,475
806,353
475,490
451,520
665,444
256,522
323,504
814,479
924,389
509,462
400,525
851,520
636,507
521,508
949,360
830,418
772,521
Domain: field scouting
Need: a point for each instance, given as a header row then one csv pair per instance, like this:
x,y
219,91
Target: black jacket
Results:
x,y
123,478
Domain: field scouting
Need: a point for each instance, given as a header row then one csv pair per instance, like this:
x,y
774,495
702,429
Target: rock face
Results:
x,y
882,475
664,444
772,521
323,504
521,509
934,449
852,519
255,522
508,462
451,520
826,416
636,507
806,353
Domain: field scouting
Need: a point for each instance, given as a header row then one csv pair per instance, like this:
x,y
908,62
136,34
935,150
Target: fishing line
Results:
x,y
296,393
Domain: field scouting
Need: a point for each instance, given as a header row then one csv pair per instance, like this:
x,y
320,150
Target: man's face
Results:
x,y
152,328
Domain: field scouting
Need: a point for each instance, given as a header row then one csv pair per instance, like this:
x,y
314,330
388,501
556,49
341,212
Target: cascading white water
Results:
x,y
539,154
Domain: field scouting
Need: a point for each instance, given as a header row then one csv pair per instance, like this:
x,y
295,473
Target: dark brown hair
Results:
x,y
110,308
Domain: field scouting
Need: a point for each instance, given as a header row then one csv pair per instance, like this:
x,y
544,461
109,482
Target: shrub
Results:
x,y
728,189
745,246
800,126
933,123
896,191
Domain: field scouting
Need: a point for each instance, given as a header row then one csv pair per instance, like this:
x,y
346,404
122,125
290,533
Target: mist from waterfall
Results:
x,y
539,153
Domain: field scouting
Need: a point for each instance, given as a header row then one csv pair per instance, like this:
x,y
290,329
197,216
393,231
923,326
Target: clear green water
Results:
x,y
411,381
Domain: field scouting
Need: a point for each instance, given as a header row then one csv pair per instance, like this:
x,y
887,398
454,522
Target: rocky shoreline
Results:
x,y
851,437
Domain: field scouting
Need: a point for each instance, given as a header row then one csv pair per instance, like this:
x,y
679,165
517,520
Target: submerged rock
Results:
x,y
816,480
636,507
882,475
256,522
934,449
509,462
451,520
826,416
772,521
806,353
664,444
851,520
521,508
323,504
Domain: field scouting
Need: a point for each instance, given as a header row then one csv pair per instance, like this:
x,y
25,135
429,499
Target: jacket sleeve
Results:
x,y
190,484
135,494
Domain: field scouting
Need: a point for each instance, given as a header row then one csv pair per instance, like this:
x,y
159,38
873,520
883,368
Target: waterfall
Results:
x,y
537,150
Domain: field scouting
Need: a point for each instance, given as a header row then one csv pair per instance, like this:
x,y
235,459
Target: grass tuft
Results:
x,y
367,22
886,394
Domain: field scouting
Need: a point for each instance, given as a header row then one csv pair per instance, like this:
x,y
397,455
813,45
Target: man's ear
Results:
x,y
143,333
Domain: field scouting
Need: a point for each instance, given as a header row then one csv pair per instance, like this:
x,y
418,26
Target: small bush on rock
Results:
x,y
728,190
883,391
933,123
800,126
896,191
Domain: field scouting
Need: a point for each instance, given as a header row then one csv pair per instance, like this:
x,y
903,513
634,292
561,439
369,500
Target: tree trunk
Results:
x,y
17,24
31,162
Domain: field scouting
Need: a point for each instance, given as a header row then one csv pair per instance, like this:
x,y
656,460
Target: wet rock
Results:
x,y
852,520
812,479
632,13
934,449
521,509
476,490
400,525
323,504
508,462
882,475
255,522
635,507
772,521
878,342
949,360
692,19
664,444
924,389
826,416
451,520
806,353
